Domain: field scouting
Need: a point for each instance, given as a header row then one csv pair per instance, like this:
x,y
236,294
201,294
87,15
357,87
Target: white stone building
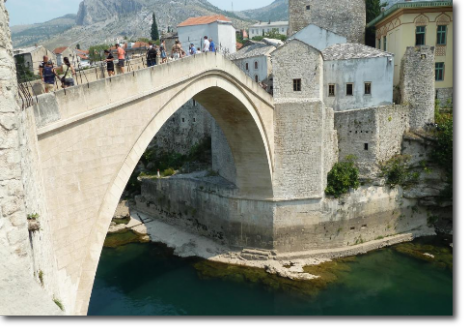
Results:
x,y
32,57
254,60
62,52
261,28
217,27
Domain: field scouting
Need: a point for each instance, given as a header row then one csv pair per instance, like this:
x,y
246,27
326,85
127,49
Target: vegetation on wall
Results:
x,y
97,52
442,150
397,171
342,177
273,34
23,71
373,9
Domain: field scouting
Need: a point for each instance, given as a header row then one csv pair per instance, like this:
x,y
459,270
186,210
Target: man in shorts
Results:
x,y
121,58
206,45
49,74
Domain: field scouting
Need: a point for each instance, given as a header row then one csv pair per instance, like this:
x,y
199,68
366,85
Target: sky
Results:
x,y
37,11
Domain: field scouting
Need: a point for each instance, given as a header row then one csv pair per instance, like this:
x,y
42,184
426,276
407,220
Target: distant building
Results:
x,y
261,28
32,57
254,60
81,58
416,23
217,27
62,52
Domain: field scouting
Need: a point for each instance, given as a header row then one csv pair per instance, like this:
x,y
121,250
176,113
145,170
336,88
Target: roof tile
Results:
x,y
203,20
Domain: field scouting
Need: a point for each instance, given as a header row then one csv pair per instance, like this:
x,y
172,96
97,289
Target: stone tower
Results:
x,y
344,17
418,85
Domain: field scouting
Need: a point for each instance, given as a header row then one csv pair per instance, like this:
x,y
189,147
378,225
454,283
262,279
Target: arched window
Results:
x,y
256,65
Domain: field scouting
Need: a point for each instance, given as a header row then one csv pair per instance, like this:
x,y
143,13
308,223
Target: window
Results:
x,y
379,43
308,7
283,29
441,35
331,90
349,89
439,71
366,146
193,119
247,66
257,78
297,84
194,103
420,36
367,88
183,120
256,65
385,41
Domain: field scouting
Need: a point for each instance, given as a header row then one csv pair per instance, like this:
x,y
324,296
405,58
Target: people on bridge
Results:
x,y
121,58
45,59
68,72
192,50
164,58
151,56
49,73
206,46
211,46
176,51
109,62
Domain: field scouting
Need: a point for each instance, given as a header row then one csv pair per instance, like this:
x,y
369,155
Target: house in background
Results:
x,y
254,60
318,37
415,23
62,52
217,27
261,28
81,58
32,57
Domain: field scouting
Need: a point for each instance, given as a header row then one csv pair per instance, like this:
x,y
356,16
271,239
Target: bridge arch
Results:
x,y
245,119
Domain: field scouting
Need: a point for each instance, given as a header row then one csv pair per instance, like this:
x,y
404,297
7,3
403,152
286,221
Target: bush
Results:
x,y
168,172
442,150
342,177
397,171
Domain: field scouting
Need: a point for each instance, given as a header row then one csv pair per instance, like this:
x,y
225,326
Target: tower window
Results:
x,y
420,36
247,66
331,90
194,103
366,146
297,84
193,119
183,120
367,88
308,7
349,89
256,65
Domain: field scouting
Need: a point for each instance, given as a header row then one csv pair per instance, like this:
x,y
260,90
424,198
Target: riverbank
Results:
x,y
141,227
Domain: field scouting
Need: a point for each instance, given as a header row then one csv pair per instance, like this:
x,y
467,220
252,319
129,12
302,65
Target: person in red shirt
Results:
x,y
121,58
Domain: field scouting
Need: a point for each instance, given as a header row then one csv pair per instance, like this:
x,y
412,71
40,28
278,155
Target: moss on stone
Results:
x,y
121,238
443,256
328,273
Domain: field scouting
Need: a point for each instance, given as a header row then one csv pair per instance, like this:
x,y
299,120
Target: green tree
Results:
x,y
442,152
97,52
373,9
342,177
154,29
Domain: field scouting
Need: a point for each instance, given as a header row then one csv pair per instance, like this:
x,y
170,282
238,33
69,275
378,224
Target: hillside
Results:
x,y
277,11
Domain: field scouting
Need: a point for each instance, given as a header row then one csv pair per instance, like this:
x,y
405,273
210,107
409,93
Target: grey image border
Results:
x,y
287,324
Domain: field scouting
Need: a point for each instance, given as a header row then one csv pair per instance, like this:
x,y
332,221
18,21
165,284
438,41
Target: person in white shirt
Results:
x,y
206,44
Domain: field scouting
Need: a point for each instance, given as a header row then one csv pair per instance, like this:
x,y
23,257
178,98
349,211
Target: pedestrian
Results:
x,y
176,51
163,51
192,50
109,63
69,71
49,74
206,47
198,50
45,59
121,58
151,56
211,47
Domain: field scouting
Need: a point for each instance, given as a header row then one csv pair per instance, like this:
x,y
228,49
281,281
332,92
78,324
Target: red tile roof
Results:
x,y
59,50
84,57
203,20
82,51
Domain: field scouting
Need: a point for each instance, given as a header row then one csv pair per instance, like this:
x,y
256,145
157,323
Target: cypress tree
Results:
x,y
154,29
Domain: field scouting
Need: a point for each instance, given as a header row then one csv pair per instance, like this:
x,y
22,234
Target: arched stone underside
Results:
x,y
88,155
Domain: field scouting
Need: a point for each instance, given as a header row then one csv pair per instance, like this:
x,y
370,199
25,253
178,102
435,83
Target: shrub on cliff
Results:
x,y
397,171
442,152
342,177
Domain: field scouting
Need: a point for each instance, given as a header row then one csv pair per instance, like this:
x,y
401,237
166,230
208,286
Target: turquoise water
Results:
x,y
146,279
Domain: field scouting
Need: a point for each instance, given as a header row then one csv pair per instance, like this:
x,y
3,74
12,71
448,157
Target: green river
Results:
x,y
147,279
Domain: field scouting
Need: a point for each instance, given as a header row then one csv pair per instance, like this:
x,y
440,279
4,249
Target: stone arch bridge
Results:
x,y
91,137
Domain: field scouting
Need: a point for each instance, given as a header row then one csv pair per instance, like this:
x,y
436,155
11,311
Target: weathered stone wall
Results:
x,y
418,85
20,289
187,127
222,158
382,128
346,19
297,60
212,210
444,95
